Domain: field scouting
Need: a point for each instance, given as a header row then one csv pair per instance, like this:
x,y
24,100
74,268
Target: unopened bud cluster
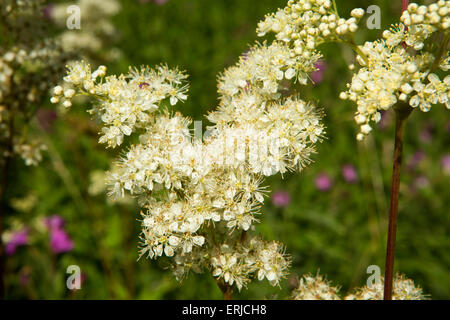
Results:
x,y
307,23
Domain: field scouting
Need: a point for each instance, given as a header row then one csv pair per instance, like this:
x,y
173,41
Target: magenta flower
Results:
x,y
281,198
445,161
60,241
349,173
323,182
54,222
317,76
19,238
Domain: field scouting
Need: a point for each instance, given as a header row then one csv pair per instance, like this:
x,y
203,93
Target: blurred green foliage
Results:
x,y
339,232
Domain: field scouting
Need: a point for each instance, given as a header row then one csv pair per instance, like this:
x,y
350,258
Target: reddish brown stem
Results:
x,y
227,290
401,114
405,5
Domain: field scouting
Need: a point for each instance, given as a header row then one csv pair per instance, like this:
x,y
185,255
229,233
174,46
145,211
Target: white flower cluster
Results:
x,y
401,68
30,63
31,153
96,28
202,197
315,288
263,67
403,289
305,24
318,288
127,101
436,15
266,259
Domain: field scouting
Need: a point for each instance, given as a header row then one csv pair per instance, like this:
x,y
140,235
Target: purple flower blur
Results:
x,y
421,182
54,222
416,159
46,118
445,161
317,76
47,11
349,173
158,2
24,278
60,241
19,238
426,134
281,198
323,182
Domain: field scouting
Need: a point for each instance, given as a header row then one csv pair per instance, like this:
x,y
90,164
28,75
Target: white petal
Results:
x,y
198,240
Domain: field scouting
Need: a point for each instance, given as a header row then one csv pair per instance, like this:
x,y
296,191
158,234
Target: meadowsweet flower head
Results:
x,y
126,104
315,288
401,68
306,24
201,198
403,289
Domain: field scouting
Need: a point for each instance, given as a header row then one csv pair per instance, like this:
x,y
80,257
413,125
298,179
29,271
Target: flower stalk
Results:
x,y
227,290
401,114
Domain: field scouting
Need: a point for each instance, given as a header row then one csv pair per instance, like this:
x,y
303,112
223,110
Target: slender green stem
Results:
x,y
401,114
335,8
442,49
357,50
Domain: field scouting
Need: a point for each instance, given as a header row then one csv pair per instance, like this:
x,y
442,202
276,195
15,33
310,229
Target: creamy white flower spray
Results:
x,y
201,198
398,72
